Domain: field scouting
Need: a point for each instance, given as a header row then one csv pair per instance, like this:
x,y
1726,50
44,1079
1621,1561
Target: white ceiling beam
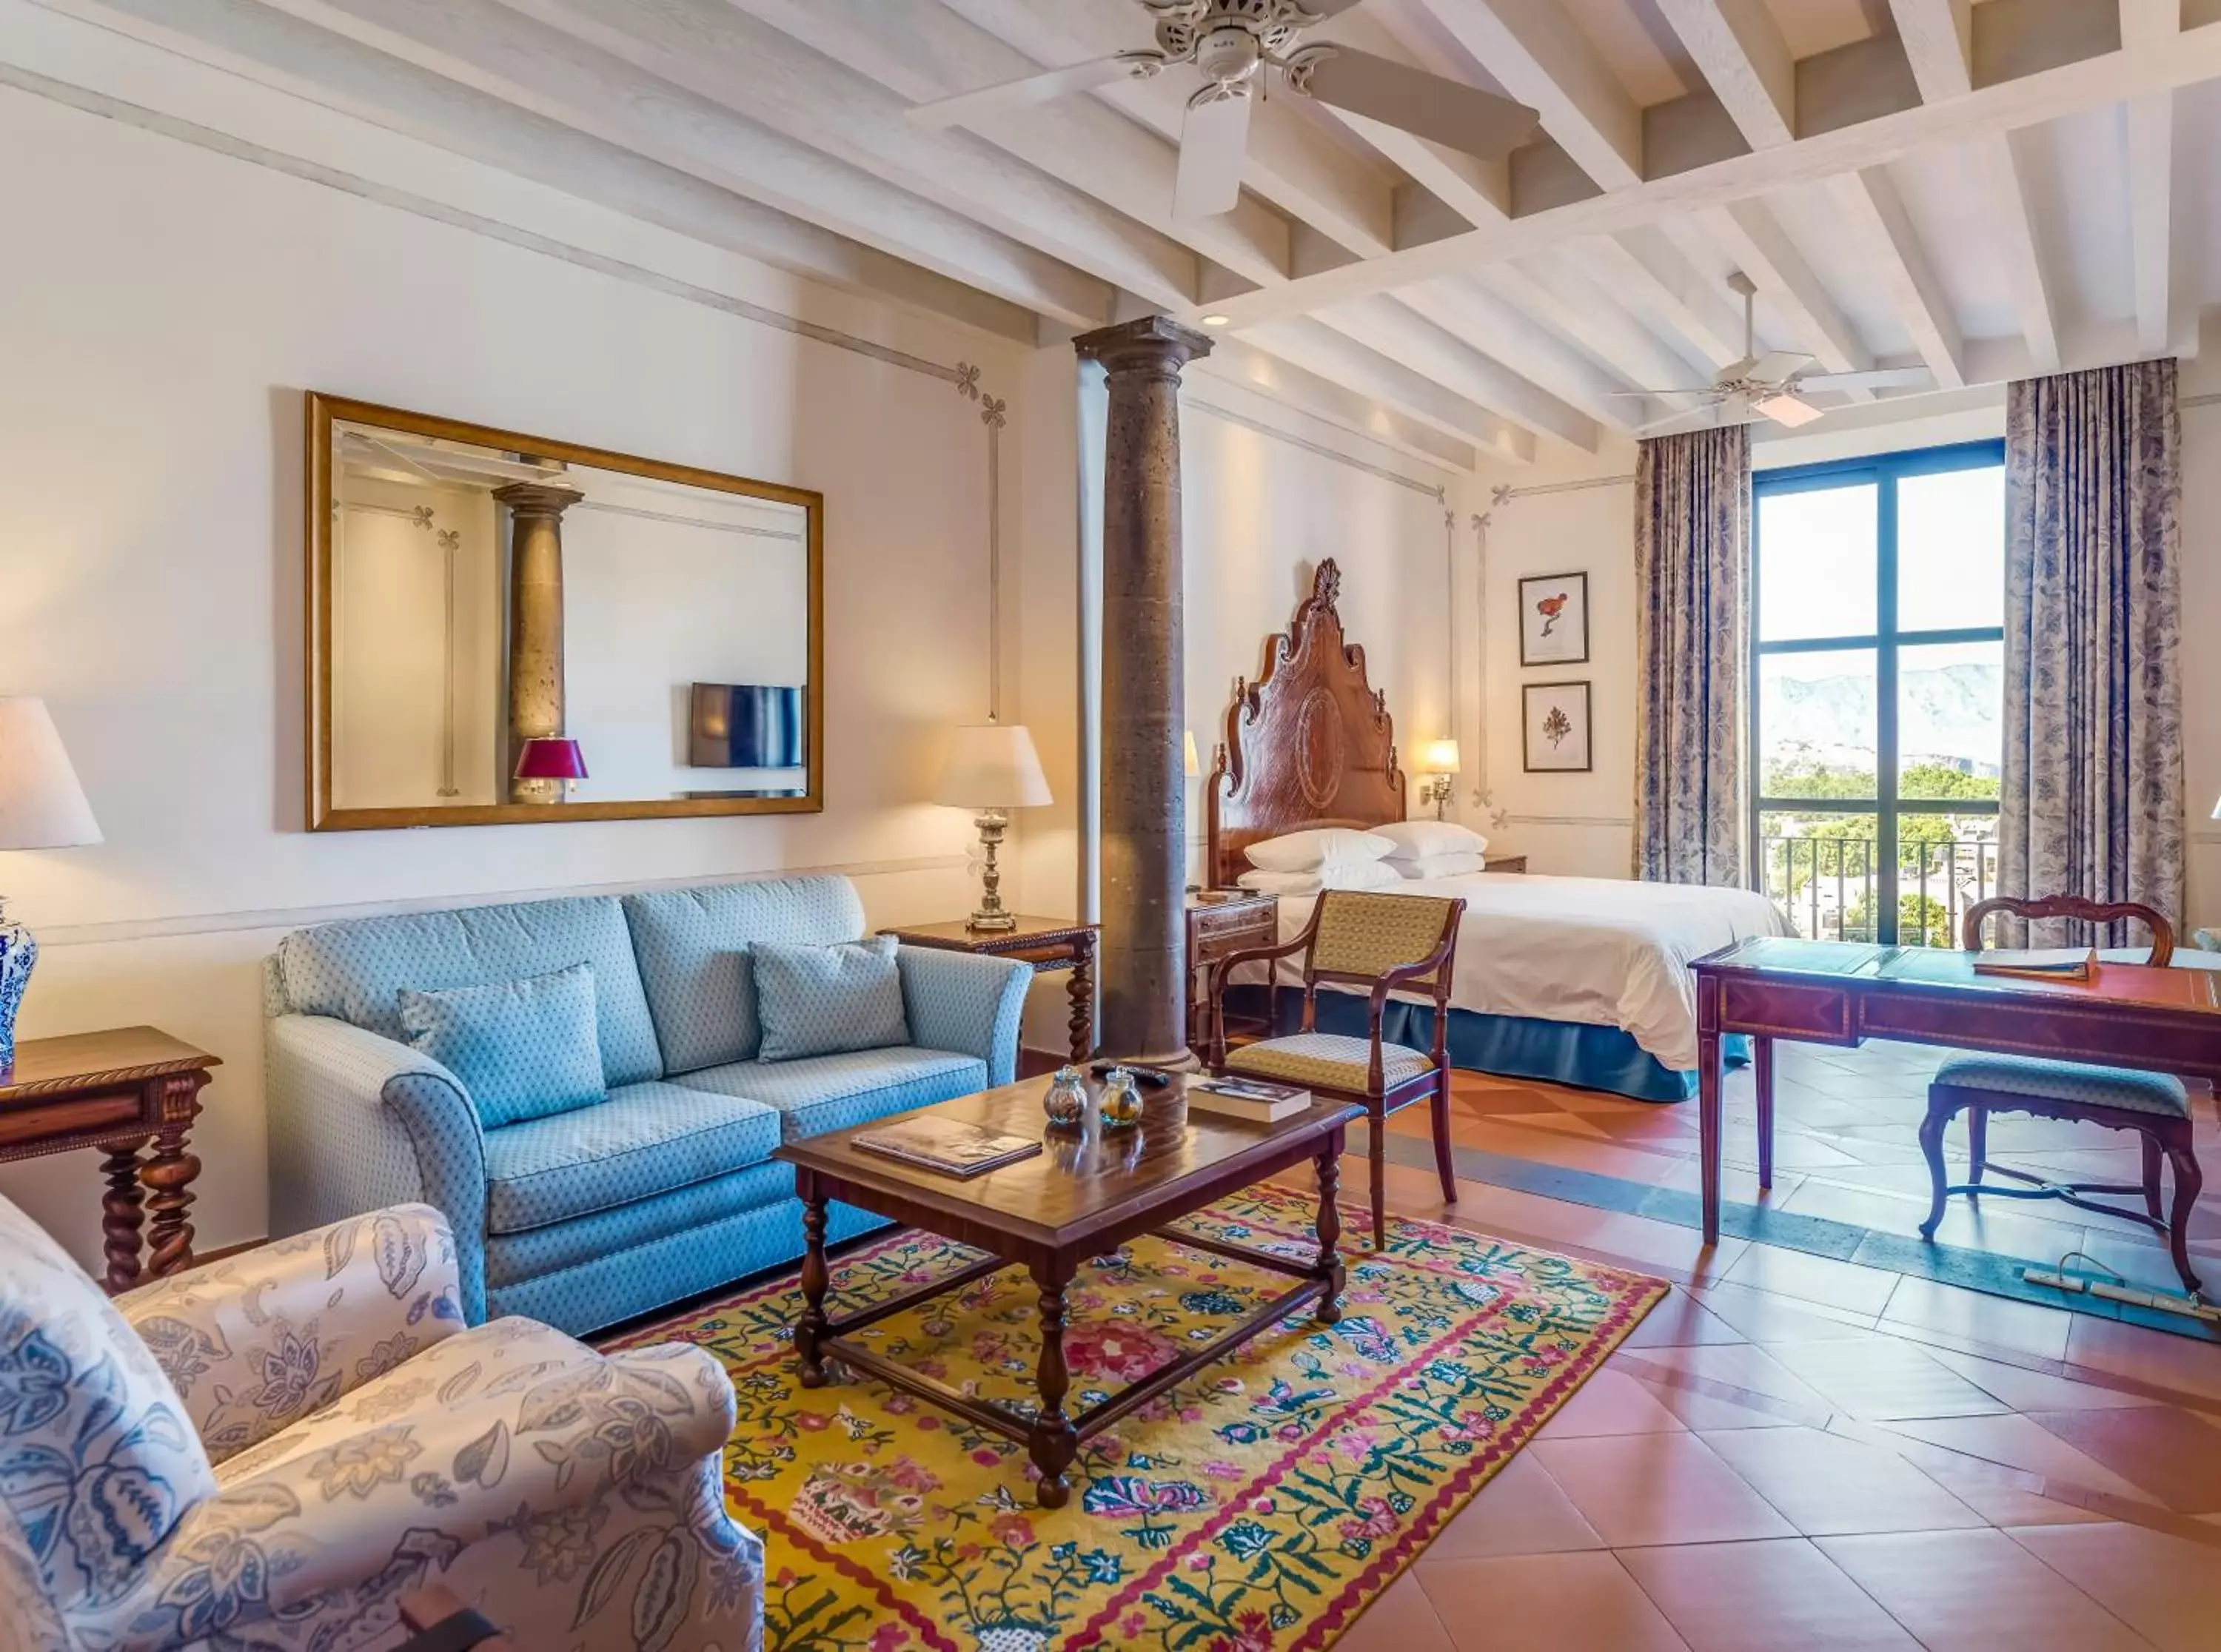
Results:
x,y
673,67
926,52
1876,214
1740,50
1754,239
1538,54
1938,40
1394,330
1564,299
1647,269
1522,343
661,166
1291,386
2148,134
1336,356
1293,164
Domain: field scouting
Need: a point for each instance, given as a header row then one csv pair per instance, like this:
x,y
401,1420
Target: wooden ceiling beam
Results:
x,y
2149,134
1537,54
1739,49
1754,239
1392,329
1332,355
1562,297
1524,345
1876,214
1291,386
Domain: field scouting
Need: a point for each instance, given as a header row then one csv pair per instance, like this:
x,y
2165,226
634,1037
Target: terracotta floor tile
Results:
x,y
1545,1603
1762,1316
2020,1442
1763,1597
1979,1590
1681,1321
1885,1377
1521,1512
1612,1402
1973,1224
1970,1316
2156,1356
2020,1390
1813,1279
1827,1486
1401,1619
1997,1497
1641,1489
2168,1453
2165,1588
1740,1365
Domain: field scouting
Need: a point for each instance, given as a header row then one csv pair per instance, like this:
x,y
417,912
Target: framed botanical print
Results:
x,y
1557,728
1553,619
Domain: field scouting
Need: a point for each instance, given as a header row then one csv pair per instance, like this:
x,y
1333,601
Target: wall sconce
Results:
x,y
1439,759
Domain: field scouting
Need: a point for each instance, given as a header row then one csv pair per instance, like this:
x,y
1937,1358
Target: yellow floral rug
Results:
x,y
1261,1505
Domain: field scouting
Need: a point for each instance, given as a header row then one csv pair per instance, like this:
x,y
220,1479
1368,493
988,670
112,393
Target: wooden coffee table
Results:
x,y
1086,1194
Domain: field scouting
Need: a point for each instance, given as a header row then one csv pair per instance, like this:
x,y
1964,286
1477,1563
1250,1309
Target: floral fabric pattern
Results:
x,y
1692,624
2092,799
369,1445
1257,1507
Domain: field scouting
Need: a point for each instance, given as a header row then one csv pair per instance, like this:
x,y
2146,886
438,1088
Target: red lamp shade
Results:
x,y
551,759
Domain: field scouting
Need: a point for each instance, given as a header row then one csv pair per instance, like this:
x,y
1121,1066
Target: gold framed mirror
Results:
x,y
506,628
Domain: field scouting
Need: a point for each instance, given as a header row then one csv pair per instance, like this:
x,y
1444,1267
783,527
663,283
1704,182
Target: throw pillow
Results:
x,y
822,1001
1455,865
1420,839
1367,875
1306,851
523,1049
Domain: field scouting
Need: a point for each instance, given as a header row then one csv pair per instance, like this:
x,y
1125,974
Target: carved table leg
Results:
x,y
122,1213
1329,1268
169,1174
1761,1061
810,1331
1081,986
1708,1128
1055,1441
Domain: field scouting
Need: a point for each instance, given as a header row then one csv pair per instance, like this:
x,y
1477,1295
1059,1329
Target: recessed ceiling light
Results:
x,y
1214,320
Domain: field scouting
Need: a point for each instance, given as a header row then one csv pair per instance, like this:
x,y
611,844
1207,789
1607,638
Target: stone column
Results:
x,y
536,625
1144,849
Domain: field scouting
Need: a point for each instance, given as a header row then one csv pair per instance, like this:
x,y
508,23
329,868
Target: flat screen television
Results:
x,y
747,725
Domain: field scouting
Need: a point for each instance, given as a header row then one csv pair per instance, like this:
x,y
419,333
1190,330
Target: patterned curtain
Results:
x,y
1692,622
2091,801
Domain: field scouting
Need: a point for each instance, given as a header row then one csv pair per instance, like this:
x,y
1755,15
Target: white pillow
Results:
x,y
1442,865
1366,875
1307,851
1418,839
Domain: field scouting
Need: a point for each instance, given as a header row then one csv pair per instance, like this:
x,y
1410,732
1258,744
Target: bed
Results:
x,y
1576,980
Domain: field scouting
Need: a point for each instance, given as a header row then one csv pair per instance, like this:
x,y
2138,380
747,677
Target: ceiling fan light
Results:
x,y
1789,410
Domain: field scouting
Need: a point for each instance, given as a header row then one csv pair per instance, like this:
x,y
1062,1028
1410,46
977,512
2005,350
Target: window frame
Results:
x,y
1887,642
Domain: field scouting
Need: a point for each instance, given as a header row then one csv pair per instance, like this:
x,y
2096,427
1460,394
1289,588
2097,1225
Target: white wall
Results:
x,y
162,309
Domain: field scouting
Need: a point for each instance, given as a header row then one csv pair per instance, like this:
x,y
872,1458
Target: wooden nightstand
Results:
x,y
1045,942
1503,863
1219,922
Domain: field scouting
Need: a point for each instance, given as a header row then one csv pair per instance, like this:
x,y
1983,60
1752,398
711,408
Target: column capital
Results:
x,y
537,498
1152,343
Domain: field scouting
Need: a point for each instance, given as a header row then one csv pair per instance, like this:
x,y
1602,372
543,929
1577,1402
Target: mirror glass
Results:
x,y
510,628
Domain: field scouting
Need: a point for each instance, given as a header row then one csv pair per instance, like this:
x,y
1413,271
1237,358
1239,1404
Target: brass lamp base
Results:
x,y
990,914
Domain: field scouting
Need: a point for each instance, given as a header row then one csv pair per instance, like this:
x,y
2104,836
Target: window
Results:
x,y
1878,717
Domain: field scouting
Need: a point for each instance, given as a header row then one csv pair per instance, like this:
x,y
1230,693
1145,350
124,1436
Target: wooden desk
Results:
x,y
1844,994
116,1090
1045,942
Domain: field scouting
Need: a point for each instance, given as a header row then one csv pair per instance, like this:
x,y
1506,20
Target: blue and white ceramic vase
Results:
x,y
18,953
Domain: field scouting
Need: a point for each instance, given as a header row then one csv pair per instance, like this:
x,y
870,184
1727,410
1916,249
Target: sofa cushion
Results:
x,y
693,949
822,1092
822,1001
511,1258
523,1049
355,971
645,1139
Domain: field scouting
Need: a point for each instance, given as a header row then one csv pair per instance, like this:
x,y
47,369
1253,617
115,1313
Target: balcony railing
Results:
x,y
1831,887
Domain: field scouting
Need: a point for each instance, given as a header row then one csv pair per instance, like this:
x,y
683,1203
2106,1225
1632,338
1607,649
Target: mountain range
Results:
x,y
1952,713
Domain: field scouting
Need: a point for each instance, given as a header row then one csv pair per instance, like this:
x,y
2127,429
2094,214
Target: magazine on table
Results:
x,y
949,1145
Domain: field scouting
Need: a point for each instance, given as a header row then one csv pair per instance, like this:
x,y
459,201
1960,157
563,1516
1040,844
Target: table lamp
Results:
x,y
991,770
1440,759
551,757
42,806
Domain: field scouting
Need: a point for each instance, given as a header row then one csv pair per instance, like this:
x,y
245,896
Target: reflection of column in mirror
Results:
x,y
536,626
450,539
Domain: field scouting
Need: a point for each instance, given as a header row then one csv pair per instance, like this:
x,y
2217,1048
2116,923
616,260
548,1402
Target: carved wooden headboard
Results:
x,y
1308,744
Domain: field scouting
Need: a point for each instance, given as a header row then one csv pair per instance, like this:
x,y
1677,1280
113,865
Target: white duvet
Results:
x,y
1602,951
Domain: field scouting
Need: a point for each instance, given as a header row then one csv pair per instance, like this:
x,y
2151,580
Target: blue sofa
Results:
x,y
667,1187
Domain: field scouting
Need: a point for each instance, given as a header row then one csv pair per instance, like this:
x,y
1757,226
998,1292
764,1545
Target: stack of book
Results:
x,y
1247,1098
2040,963
949,1145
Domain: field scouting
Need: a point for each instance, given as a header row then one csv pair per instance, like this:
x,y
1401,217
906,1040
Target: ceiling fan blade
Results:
x,y
1882,378
1652,395
1787,411
1032,88
1457,116
1214,146
1777,366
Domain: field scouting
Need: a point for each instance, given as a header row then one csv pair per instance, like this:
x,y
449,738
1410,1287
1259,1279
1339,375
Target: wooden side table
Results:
x,y
1219,922
1503,863
116,1090
1045,942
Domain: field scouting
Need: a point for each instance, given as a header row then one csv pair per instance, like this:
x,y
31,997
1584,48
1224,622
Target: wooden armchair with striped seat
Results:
x,y
1388,942
2155,1106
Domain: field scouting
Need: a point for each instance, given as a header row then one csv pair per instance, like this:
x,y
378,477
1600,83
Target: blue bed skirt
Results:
x,y
1512,1046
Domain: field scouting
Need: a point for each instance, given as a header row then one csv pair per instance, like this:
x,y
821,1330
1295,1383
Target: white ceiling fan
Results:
x,y
1771,386
1238,45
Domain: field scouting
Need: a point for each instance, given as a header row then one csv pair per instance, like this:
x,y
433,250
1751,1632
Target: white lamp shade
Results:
x,y
992,766
41,805
1439,757
1187,751
2217,811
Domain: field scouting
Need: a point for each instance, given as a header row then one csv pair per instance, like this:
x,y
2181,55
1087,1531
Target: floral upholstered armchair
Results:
x,y
269,1452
